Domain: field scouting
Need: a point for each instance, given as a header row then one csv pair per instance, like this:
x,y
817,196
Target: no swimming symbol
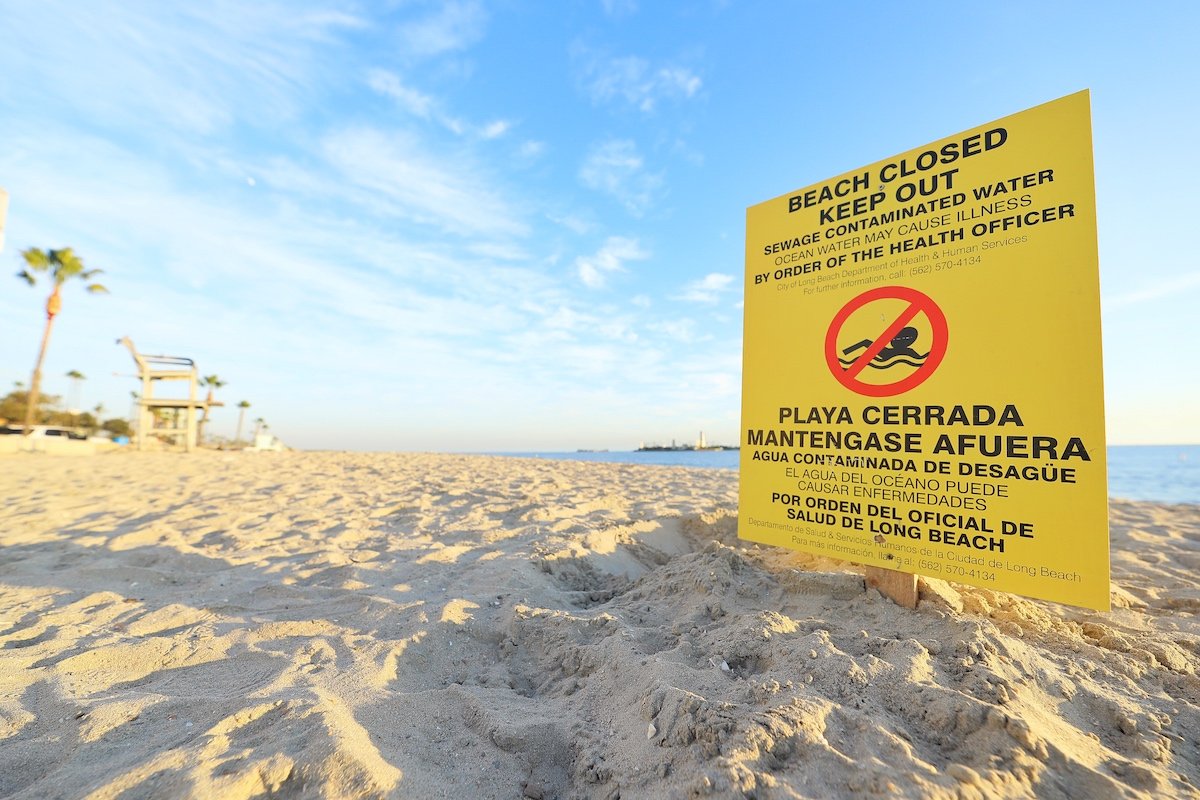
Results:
x,y
892,344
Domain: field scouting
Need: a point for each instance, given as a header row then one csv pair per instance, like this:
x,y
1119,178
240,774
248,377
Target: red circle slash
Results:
x,y
918,303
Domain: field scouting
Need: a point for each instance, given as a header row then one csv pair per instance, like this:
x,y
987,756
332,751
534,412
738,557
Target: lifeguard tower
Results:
x,y
160,416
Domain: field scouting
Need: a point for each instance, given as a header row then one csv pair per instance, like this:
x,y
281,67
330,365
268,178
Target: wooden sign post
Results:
x,y
900,587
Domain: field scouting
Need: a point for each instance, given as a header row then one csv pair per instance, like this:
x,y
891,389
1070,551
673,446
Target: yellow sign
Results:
x,y
922,384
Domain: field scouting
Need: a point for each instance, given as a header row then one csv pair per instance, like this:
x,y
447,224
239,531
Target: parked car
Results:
x,y
42,432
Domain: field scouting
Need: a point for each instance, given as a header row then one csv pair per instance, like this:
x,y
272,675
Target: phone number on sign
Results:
x,y
954,570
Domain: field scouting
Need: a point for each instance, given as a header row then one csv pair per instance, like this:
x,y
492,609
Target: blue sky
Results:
x,y
517,225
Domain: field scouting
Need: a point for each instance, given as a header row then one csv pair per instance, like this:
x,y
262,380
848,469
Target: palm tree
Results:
x,y
62,265
76,377
259,425
242,406
212,382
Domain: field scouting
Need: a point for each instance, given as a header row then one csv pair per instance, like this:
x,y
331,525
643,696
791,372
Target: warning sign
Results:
x,y
922,383
894,348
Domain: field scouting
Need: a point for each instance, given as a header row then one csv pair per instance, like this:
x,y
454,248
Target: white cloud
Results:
x,y
563,318
633,80
531,149
571,222
496,129
411,100
707,289
616,167
681,330
677,80
455,26
618,329
401,178
195,68
426,107
611,257
619,8
1164,288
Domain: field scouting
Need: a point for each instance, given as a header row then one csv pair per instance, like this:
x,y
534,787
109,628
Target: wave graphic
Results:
x,y
888,364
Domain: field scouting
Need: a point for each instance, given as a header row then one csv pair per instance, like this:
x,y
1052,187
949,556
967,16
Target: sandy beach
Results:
x,y
236,625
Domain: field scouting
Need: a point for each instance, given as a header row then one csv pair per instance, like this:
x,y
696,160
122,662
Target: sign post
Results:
x,y
922,389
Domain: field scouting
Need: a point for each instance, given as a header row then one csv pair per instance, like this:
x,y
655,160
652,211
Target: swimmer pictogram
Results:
x,y
897,345
897,351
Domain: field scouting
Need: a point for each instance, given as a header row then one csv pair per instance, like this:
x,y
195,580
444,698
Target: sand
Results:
x,y
235,625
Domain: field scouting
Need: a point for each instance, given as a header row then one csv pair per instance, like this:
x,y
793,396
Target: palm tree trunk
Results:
x,y
241,419
35,384
203,419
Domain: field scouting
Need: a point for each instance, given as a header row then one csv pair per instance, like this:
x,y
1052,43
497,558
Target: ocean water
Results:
x,y
1161,473
1164,473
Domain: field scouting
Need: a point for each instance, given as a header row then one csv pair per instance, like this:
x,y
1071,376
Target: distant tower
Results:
x,y
701,444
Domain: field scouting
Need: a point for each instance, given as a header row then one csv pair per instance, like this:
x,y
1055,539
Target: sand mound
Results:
x,y
334,625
